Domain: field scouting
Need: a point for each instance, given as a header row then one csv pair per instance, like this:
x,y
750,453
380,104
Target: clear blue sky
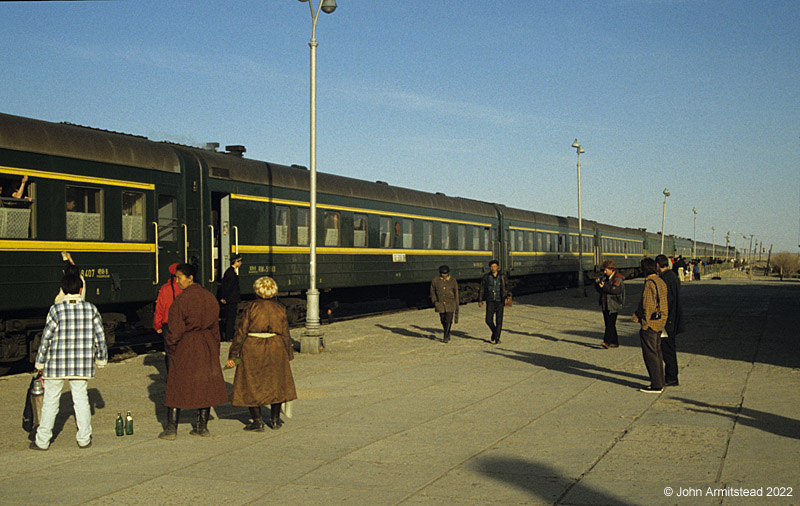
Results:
x,y
479,99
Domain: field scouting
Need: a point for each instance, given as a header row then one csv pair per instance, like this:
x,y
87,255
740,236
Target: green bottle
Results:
x,y
120,425
129,424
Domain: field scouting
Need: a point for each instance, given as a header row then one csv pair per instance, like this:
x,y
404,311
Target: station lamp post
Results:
x,y
663,217
727,244
312,296
713,241
581,288
694,246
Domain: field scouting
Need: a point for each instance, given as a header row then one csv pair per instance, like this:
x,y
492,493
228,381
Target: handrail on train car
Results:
x,y
236,238
155,225
185,243
211,256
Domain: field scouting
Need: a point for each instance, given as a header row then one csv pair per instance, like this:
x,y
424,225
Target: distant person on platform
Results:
x,y
494,290
230,296
674,324
166,295
73,343
195,376
612,297
652,314
444,295
679,266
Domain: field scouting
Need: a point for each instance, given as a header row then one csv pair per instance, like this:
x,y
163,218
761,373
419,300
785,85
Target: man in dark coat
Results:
x,y
494,291
674,321
195,376
444,295
230,296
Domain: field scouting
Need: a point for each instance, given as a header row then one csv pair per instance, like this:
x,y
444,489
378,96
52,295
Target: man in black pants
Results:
x,y
230,296
674,321
494,290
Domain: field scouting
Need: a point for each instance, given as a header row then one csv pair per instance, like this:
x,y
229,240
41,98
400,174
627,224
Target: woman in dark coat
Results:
x,y
264,347
195,376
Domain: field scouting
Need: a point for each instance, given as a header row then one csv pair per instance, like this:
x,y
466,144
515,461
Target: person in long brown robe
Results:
x,y
264,348
195,377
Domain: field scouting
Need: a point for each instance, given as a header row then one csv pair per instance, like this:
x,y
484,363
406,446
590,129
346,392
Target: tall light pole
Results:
x,y
663,217
727,243
694,247
312,296
713,242
736,247
581,287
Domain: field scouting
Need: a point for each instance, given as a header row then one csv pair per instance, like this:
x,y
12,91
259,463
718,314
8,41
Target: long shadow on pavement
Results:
x,y
528,334
571,366
768,422
532,477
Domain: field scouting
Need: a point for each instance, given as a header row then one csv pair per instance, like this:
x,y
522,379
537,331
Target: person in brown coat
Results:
x,y
195,376
444,295
264,347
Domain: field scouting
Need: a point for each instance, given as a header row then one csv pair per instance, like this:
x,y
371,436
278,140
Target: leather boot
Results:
x,y
202,423
257,424
447,332
275,416
171,430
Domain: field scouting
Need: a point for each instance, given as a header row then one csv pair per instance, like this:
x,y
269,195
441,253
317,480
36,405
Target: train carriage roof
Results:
x,y
234,168
84,143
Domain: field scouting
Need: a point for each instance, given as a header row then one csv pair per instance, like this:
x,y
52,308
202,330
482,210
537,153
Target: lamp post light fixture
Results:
x,y
581,288
663,217
694,246
312,296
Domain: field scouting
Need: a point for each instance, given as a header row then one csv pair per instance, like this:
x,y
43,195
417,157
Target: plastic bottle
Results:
x,y
120,425
129,424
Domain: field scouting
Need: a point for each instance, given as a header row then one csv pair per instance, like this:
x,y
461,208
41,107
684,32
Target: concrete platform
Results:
x,y
390,415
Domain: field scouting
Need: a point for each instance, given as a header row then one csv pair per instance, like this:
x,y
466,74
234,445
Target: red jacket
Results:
x,y
166,295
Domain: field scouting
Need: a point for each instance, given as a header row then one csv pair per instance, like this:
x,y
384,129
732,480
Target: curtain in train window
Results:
x,y
538,236
360,230
528,241
281,225
476,238
461,235
333,226
386,232
84,213
408,233
487,238
561,241
303,226
548,240
520,240
133,206
427,234
16,207
445,236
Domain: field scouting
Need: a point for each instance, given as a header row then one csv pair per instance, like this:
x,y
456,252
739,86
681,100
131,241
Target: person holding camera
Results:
x,y
612,297
652,314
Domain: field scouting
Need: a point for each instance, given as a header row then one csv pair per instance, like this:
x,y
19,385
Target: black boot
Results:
x,y
202,423
171,430
447,332
275,416
257,424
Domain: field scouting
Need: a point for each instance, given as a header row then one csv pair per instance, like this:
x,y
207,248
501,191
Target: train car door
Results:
x,y
169,218
225,234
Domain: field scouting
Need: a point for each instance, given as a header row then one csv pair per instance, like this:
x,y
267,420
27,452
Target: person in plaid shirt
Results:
x,y
73,342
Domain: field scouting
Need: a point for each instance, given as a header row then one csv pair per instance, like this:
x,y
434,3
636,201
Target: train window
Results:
x,y
84,217
538,245
386,232
281,225
303,217
520,240
445,236
133,206
487,242
560,243
408,233
16,197
360,230
167,218
461,235
547,240
528,241
427,234
333,225
476,238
